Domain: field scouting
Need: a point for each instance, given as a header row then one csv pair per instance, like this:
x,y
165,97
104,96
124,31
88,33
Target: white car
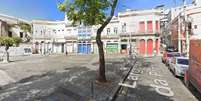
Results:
x,y
173,54
179,65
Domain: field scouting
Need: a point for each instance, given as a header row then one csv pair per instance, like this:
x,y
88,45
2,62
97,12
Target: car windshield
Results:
x,y
182,61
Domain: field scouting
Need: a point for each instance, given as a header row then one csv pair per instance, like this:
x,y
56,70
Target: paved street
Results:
x,y
154,82
57,77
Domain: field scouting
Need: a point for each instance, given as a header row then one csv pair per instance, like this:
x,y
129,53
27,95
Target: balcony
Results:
x,y
139,33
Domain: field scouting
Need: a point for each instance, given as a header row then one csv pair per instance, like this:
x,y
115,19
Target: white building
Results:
x,y
136,30
48,36
6,21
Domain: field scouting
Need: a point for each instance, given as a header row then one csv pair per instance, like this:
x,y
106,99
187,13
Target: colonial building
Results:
x,y
48,36
184,21
140,31
132,30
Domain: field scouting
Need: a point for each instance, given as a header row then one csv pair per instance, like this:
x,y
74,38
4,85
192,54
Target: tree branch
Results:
x,y
107,21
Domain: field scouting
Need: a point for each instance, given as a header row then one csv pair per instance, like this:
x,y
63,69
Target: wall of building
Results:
x,y
120,35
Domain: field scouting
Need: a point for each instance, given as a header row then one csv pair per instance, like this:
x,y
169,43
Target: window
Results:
x,y
195,26
142,27
124,27
149,26
115,30
108,31
182,61
21,34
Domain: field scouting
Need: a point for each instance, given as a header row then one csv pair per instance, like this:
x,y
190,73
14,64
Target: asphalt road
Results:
x,y
150,80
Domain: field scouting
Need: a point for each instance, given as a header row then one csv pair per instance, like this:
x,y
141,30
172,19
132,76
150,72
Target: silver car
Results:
x,y
179,65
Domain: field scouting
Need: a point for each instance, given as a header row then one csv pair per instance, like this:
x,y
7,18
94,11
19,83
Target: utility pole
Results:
x,y
186,22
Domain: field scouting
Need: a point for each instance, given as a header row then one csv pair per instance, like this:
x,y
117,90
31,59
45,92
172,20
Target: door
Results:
x,y
124,48
84,48
150,47
142,47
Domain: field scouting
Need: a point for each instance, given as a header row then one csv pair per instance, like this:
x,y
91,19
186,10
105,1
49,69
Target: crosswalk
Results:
x,y
5,78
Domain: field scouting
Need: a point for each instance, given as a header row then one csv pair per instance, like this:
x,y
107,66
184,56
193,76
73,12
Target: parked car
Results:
x,y
179,65
192,77
169,59
171,49
167,53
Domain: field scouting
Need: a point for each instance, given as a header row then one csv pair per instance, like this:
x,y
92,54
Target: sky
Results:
x,y
47,9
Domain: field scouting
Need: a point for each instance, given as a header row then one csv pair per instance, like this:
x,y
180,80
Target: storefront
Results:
x,y
112,48
84,48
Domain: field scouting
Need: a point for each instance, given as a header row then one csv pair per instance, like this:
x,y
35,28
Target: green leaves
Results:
x,y
88,12
8,41
25,27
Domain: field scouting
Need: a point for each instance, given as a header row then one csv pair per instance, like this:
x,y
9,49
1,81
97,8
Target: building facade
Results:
x,y
136,31
48,36
8,28
183,22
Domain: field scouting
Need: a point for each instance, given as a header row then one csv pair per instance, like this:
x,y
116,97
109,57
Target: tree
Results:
x,y
26,28
92,12
7,42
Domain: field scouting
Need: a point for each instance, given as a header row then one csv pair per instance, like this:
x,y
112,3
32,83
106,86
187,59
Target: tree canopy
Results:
x,y
9,41
88,12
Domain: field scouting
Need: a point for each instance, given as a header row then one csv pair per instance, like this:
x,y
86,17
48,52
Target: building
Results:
x,y
8,27
184,21
132,30
49,36
140,31
3,28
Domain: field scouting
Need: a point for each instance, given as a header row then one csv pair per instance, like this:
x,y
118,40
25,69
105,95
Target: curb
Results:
x,y
116,91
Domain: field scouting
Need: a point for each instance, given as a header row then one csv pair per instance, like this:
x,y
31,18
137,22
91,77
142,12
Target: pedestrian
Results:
x,y
66,52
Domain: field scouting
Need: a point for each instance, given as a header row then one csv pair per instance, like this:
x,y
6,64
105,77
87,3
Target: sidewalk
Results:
x,y
5,78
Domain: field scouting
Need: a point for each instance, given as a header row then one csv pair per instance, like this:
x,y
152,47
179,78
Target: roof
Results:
x,y
11,19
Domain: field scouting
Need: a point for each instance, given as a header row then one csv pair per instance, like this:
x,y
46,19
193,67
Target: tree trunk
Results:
x,y
101,76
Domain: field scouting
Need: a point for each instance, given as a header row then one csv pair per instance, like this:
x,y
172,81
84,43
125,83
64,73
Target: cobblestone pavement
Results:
x,y
154,82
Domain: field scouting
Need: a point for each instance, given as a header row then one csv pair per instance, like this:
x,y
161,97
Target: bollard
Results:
x,y
92,90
